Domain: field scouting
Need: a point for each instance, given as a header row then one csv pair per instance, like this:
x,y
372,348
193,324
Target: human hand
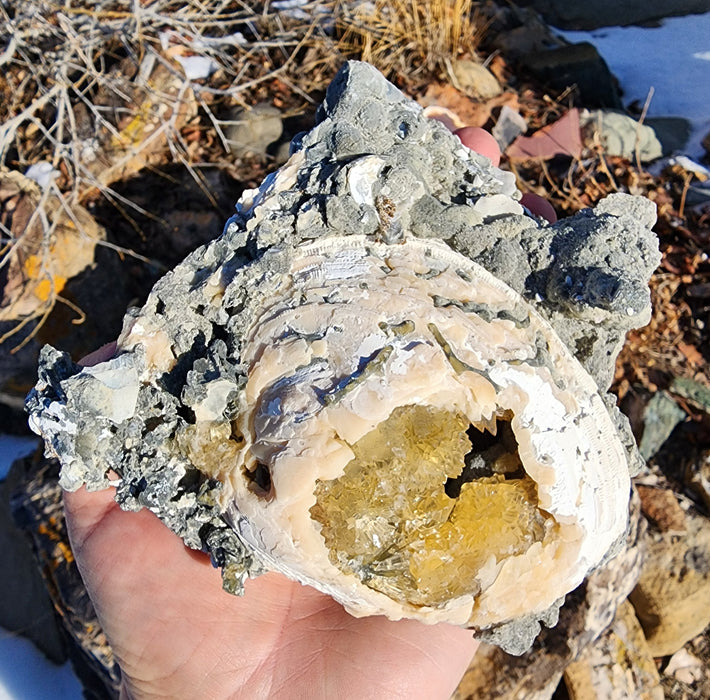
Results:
x,y
177,634
482,142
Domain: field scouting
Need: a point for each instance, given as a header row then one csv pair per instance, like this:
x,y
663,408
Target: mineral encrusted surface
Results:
x,y
167,413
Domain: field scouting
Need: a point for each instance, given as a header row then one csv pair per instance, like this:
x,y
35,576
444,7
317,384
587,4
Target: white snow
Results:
x,y
13,447
673,59
26,674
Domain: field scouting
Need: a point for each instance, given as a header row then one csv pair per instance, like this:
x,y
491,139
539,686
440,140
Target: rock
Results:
x,y
25,606
617,665
685,667
697,477
694,391
508,127
672,132
661,507
253,130
579,14
660,417
531,37
489,677
577,65
374,169
620,135
38,511
476,80
672,597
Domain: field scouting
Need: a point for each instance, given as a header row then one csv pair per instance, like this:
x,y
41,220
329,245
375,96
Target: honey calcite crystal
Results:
x,y
386,379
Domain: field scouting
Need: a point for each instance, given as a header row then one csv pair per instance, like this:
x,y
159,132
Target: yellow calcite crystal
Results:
x,y
390,521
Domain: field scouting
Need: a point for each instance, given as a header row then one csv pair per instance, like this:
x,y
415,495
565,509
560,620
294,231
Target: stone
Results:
x,y
376,259
621,135
673,133
693,390
661,415
489,678
476,80
25,607
252,130
577,65
579,14
697,477
38,512
617,665
661,507
672,597
508,127
685,667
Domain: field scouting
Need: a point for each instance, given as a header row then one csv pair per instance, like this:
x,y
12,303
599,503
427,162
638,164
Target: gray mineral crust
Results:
x,y
587,275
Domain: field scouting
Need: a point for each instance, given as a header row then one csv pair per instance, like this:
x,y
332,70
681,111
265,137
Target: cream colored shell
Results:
x,y
470,344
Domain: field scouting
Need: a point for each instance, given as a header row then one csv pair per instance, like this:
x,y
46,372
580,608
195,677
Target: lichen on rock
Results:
x,y
382,347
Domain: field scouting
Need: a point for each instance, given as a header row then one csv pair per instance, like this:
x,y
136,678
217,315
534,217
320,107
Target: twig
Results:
x,y
644,111
10,126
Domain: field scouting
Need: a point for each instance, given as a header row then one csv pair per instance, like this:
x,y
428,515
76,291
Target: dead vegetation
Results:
x,y
94,93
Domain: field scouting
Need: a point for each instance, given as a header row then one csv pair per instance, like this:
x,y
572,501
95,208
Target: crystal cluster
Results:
x,y
391,520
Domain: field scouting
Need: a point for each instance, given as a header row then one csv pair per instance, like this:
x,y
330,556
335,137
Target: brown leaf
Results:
x,y
691,353
661,506
562,137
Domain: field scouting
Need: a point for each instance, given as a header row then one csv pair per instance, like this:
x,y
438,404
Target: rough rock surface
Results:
x,y
672,598
587,275
605,13
618,665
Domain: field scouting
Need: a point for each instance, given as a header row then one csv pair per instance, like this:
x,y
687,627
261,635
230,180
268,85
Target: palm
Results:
x,y
177,634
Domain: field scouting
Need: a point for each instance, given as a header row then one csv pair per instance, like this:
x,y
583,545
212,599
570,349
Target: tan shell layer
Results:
x,y
356,330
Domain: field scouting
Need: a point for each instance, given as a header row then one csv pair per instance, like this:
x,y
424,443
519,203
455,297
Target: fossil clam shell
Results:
x,y
334,389
358,331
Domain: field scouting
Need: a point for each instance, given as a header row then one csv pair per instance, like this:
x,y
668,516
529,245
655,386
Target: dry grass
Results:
x,y
96,91
408,38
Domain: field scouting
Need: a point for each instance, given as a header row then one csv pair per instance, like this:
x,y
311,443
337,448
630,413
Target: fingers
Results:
x,y
481,141
539,206
105,352
85,511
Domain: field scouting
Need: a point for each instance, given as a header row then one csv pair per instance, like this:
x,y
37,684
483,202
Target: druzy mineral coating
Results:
x,y
385,379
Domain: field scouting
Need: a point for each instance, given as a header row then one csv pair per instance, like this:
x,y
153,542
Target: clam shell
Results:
x,y
470,343
334,387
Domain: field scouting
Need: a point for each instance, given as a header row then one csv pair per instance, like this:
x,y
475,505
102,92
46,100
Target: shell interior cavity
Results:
x,y
385,379
423,438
